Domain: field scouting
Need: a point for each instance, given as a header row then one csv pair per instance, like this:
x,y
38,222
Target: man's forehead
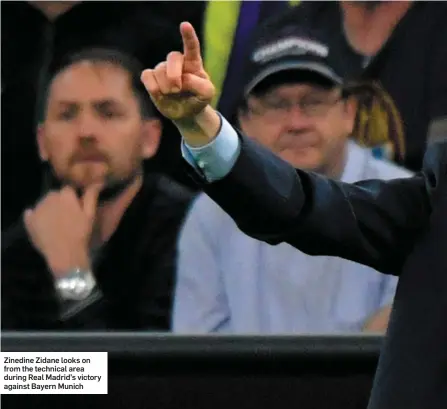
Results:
x,y
90,79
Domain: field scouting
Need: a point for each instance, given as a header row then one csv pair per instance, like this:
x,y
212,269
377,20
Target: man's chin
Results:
x,y
112,186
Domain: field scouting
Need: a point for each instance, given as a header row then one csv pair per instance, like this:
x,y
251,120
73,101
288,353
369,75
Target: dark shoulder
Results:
x,y
169,191
171,200
161,214
424,20
435,166
430,11
436,154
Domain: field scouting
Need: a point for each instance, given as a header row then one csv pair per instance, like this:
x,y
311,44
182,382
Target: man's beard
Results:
x,y
370,5
113,187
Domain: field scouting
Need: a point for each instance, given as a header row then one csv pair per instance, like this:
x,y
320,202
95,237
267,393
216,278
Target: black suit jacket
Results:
x,y
397,227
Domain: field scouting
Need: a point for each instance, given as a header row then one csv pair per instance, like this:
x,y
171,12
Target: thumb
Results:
x,y
203,88
89,200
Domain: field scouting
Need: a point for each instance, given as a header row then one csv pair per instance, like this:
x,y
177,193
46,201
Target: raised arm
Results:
x,y
372,222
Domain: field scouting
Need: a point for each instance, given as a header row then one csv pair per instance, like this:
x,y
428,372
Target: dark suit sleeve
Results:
x,y
372,222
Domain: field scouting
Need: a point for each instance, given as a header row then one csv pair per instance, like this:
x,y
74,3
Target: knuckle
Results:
x,y
64,198
146,74
48,199
66,189
160,66
67,192
28,217
52,194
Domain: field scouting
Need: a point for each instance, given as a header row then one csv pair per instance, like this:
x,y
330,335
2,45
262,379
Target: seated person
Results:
x,y
297,105
98,250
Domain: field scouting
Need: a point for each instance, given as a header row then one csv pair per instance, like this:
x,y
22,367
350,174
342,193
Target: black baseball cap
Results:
x,y
292,47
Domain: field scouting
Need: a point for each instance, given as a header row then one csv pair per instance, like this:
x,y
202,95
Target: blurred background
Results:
x,y
182,300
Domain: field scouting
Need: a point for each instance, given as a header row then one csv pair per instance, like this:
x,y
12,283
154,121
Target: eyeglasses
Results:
x,y
311,106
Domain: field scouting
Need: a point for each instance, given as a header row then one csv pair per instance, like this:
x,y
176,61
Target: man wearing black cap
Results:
x,y
397,227
296,105
399,43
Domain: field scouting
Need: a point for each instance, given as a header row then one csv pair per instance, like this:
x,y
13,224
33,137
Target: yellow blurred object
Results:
x,y
220,27
221,19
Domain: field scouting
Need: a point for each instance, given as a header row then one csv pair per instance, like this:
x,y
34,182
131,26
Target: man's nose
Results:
x,y
297,119
88,127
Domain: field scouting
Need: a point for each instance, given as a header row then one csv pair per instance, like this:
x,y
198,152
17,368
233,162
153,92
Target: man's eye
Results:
x,y
278,104
312,102
67,115
109,114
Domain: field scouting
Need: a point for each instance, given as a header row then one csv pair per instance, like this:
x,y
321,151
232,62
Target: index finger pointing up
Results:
x,y
90,200
191,44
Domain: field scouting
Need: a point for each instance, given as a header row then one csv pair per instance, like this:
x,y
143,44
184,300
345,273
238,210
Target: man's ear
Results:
x,y
152,130
41,142
241,118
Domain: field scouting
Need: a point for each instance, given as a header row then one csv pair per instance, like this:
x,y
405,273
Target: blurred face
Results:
x,y
93,131
304,124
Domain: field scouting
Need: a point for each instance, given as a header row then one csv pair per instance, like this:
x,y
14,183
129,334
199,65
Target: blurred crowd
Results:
x,y
349,90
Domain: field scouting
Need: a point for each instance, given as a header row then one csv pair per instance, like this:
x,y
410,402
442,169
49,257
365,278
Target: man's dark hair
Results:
x,y
100,55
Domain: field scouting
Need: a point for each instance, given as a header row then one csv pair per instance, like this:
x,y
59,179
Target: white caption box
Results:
x,y
54,373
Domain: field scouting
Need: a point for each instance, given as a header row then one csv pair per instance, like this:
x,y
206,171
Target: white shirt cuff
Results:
x,y
216,159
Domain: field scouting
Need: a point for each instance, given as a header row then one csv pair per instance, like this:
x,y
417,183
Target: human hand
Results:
x,y
180,87
60,228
